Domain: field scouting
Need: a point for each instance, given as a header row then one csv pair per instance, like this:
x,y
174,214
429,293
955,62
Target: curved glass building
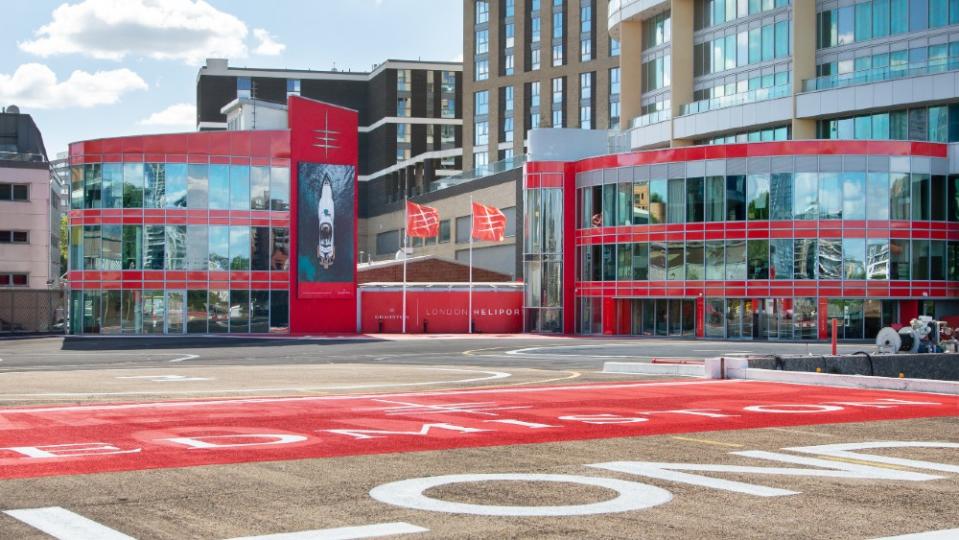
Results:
x,y
750,241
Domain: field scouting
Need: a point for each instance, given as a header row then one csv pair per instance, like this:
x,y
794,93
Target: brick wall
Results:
x,y
429,271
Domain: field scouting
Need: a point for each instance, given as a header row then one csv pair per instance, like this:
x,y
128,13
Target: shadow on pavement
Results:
x,y
197,342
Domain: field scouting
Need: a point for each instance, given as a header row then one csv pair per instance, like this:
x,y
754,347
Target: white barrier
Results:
x,y
643,368
738,368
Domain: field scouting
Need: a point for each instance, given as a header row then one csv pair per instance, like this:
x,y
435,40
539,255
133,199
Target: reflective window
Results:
x,y
830,258
219,241
641,201
781,258
854,258
676,198
260,312
715,198
111,247
804,257
657,201
695,261
239,248
830,196
735,260
609,205
132,250
196,312
280,188
219,187
218,304
239,187
112,185
93,182
877,196
695,200
260,241
154,244
806,196
176,247
675,261
920,259
239,312
854,195
780,197
196,247
280,251
624,197
197,187
899,259
279,311
609,262
757,259
175,180
877,258
624,262
900,205
920,197
715,260
131,312
154,185
657,262
640,262
758,197
736,198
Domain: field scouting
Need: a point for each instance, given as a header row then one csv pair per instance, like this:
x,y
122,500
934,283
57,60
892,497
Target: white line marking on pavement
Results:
x,y
65,525
184,357
345,533
950,534
240,401
493,375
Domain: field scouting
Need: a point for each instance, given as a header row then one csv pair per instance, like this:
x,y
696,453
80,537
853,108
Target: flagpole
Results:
x,y
470,303
406,238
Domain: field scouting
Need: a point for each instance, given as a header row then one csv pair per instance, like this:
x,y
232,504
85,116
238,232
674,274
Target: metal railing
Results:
x,y
752,96
654,117
22,156
477,173
877,74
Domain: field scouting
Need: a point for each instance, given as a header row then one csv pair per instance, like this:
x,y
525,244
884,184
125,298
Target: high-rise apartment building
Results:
x,y
533,64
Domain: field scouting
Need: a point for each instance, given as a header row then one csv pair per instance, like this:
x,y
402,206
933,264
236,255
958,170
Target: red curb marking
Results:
x,y
332,426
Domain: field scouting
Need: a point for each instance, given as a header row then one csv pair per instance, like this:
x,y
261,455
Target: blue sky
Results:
x,y
98,68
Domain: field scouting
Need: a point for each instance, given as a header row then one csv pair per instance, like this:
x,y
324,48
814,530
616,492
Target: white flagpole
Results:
x,y
406,237
470,303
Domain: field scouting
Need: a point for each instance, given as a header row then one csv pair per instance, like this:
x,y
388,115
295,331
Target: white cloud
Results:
x,y
179,115
184,30
266,45
36,85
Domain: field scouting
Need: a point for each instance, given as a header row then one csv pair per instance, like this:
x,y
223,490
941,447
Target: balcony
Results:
x,y
752,96
477,173
884,73
906,85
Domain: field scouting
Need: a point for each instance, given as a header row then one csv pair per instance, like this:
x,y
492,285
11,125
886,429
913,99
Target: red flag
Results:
x,y
421,221
489,223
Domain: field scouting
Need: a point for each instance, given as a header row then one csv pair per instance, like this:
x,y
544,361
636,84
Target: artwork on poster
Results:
x,y
325,223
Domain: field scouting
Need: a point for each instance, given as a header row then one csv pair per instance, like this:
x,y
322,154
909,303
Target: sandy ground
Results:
x,y
265,498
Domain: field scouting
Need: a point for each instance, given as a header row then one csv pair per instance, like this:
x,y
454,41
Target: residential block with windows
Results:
x,y
29,208
533,64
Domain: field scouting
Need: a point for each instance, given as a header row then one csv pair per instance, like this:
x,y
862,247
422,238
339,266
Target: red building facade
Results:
x,y
198,232
744,241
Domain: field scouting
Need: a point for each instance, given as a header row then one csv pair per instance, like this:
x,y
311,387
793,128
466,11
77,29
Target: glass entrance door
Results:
x,y
154,310
175,312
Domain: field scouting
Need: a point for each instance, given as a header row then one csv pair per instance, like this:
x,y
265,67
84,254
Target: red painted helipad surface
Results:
x,y
49,441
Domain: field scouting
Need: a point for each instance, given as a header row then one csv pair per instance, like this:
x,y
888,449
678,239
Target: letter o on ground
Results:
x,y
409,494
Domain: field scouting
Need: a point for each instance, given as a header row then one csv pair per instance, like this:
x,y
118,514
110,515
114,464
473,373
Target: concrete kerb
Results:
x,y
738,368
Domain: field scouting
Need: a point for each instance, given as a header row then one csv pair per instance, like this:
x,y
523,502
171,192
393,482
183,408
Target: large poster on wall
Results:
x,y
325,228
